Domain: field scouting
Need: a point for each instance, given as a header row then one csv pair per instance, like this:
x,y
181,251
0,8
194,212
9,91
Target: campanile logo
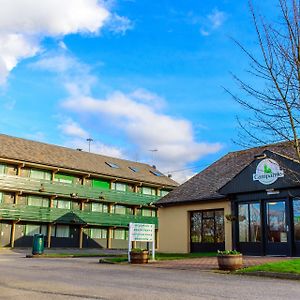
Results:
x,y
267,171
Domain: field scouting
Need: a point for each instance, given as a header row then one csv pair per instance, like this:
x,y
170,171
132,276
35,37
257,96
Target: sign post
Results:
x,y
140,232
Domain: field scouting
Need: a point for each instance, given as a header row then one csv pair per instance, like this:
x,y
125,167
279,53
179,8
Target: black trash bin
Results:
x,y
38,244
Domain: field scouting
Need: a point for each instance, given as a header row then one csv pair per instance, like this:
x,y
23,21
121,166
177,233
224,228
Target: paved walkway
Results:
x,y
210,263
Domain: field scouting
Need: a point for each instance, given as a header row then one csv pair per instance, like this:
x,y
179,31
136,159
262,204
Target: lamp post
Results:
x,y
89,140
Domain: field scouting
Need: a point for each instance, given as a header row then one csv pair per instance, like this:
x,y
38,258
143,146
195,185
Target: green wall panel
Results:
x,y
100,184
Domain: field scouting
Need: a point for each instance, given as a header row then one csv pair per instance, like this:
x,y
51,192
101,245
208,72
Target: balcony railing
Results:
x,y
46,187
65,216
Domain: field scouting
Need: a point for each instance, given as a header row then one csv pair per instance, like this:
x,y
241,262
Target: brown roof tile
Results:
x,y
205,185
62,157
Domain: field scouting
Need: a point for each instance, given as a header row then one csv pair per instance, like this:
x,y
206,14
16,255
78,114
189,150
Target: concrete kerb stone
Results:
x,y
289,276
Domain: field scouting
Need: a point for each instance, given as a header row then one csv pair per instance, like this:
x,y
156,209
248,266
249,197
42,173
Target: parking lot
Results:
x,y
85,278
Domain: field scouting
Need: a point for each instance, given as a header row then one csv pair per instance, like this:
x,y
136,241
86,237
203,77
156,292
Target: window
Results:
x,y
64,204
37,201
156,173
120,234
8,169
99,207
98,233
112,165
118,186
148,191
207,226
7,198
249,222
2,169
133,169
146,212
164,192
62,231
39,174
122,210
296,207
31,229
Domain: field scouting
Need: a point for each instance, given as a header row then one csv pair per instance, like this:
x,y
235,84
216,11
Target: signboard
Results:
x,y
267,171
139,232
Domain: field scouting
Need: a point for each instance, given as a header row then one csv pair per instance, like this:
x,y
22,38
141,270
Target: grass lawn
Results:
x,y
287,266
166,256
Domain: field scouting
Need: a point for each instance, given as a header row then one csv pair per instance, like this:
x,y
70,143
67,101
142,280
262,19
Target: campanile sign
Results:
x,y
268,171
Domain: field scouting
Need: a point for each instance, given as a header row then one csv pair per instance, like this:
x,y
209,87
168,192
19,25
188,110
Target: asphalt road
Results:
x,y
85,278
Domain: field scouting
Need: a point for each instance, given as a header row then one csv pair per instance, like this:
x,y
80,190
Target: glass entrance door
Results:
x,y
277,235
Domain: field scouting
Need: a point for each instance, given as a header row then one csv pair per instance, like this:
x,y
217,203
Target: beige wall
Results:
x,y
174,225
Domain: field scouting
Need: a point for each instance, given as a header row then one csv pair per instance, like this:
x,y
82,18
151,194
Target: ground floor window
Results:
x,y
32,229
249,222
62,231
296,206
207,226
120,234
98,233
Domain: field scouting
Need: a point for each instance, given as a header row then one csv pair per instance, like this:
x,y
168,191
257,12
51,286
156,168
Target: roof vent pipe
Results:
x,y
154,167
170,175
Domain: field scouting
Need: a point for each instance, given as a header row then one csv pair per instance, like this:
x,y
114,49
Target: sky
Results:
x,y
144,79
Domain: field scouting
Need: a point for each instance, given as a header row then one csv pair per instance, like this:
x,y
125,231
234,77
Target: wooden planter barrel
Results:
x,y
139,257
230,262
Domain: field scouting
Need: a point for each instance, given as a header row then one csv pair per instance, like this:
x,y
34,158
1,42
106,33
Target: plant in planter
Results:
x,y
139,256
230,260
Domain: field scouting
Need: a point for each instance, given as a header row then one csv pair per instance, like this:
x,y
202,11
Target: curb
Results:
x,y
291,276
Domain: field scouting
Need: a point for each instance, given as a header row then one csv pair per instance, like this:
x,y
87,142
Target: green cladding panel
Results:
x,y
64,178
100,184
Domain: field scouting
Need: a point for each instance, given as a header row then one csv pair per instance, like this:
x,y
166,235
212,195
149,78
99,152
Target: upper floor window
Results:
x,y
7,198
112,165
122,210
156,173
146,212
39,174
118,186
8,169
36,174
148,191
64,204
164,192
37,201
133,169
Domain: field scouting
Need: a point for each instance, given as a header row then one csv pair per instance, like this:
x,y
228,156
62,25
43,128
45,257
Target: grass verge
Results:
x,y
291,266
166,256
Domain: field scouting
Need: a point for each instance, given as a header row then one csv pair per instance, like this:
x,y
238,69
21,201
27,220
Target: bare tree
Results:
x,y
274,104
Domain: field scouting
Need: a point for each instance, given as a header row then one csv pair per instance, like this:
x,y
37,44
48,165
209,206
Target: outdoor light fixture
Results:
x,y
272,192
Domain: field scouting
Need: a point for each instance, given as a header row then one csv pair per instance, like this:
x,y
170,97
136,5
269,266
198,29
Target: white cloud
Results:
x,y
71,128
216,18
146,127
119,24
75,75
213,21
24,24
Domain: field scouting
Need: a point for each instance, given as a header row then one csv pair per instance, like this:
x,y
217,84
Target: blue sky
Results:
x,y
135,75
